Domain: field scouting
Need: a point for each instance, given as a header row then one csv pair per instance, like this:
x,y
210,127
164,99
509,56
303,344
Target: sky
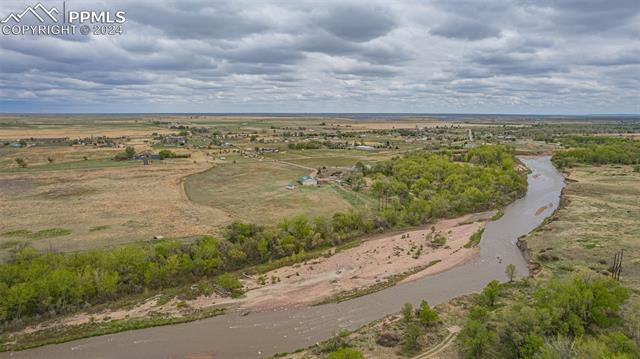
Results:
x,y
439,56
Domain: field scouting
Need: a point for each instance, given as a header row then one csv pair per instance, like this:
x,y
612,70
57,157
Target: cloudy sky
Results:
x,y
490,56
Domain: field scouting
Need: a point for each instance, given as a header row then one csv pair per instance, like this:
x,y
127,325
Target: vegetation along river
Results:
x,y
266,333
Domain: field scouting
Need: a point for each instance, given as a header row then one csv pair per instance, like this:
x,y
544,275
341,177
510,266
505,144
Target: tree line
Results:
x,y
597,150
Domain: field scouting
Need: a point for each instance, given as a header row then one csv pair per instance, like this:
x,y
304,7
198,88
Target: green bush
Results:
x,y
345,353
166,154
21,162
230,283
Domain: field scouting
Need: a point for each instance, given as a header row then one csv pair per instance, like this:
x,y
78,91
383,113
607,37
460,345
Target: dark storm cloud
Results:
x,y
336,55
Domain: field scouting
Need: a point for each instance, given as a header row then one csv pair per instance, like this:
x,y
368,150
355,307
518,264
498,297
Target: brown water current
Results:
x,y
266,333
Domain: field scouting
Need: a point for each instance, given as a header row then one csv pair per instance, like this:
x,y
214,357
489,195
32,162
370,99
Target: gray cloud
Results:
x,y
466,29
404,56
357,23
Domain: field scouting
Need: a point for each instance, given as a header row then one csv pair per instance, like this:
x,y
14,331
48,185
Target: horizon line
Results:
x,y
324,113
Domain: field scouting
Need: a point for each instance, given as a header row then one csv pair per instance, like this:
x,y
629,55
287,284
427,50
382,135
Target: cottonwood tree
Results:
x,y
511,271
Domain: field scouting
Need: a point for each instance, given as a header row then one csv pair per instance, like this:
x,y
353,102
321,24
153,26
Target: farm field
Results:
x,y
88,200
256,191
76,126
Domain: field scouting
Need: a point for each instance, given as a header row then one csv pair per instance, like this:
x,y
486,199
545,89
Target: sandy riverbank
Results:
x,y
302,284
371,262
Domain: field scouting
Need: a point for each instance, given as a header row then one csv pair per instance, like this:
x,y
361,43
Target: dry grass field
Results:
x,y
102,206
255,191
12,127
37,158
77,197
601,215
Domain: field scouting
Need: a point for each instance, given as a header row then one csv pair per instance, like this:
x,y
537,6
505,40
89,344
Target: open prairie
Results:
x,y
76,126
70,194
102,206
600,216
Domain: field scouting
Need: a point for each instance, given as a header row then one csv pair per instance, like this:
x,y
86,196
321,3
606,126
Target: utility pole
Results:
x,y
617,265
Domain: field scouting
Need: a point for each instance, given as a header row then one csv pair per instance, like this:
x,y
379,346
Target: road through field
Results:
x,y
266,333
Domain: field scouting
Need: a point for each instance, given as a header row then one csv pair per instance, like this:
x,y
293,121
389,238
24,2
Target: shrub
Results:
x,y
230,283
21,162
387,340
345,353
166,154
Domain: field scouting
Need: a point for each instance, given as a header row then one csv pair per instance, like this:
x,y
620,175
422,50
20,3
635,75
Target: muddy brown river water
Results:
x,y
266,333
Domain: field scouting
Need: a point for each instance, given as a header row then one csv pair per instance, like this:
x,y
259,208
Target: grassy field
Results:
x,y
255,191
98,206
600,216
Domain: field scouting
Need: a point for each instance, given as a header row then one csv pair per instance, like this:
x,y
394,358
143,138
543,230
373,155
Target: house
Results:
x,y
308,181
146,156
364,148
291,186
175,140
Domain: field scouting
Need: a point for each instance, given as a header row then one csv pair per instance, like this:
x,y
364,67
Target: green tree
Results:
x,y
407,313
511,271
475,340
426,315
577,303
490,293
410,338
129,151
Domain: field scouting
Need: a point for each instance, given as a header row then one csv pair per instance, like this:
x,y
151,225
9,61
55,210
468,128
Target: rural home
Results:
x,y
308,181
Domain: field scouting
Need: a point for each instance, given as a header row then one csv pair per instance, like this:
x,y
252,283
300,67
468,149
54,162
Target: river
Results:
x,y
266,333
